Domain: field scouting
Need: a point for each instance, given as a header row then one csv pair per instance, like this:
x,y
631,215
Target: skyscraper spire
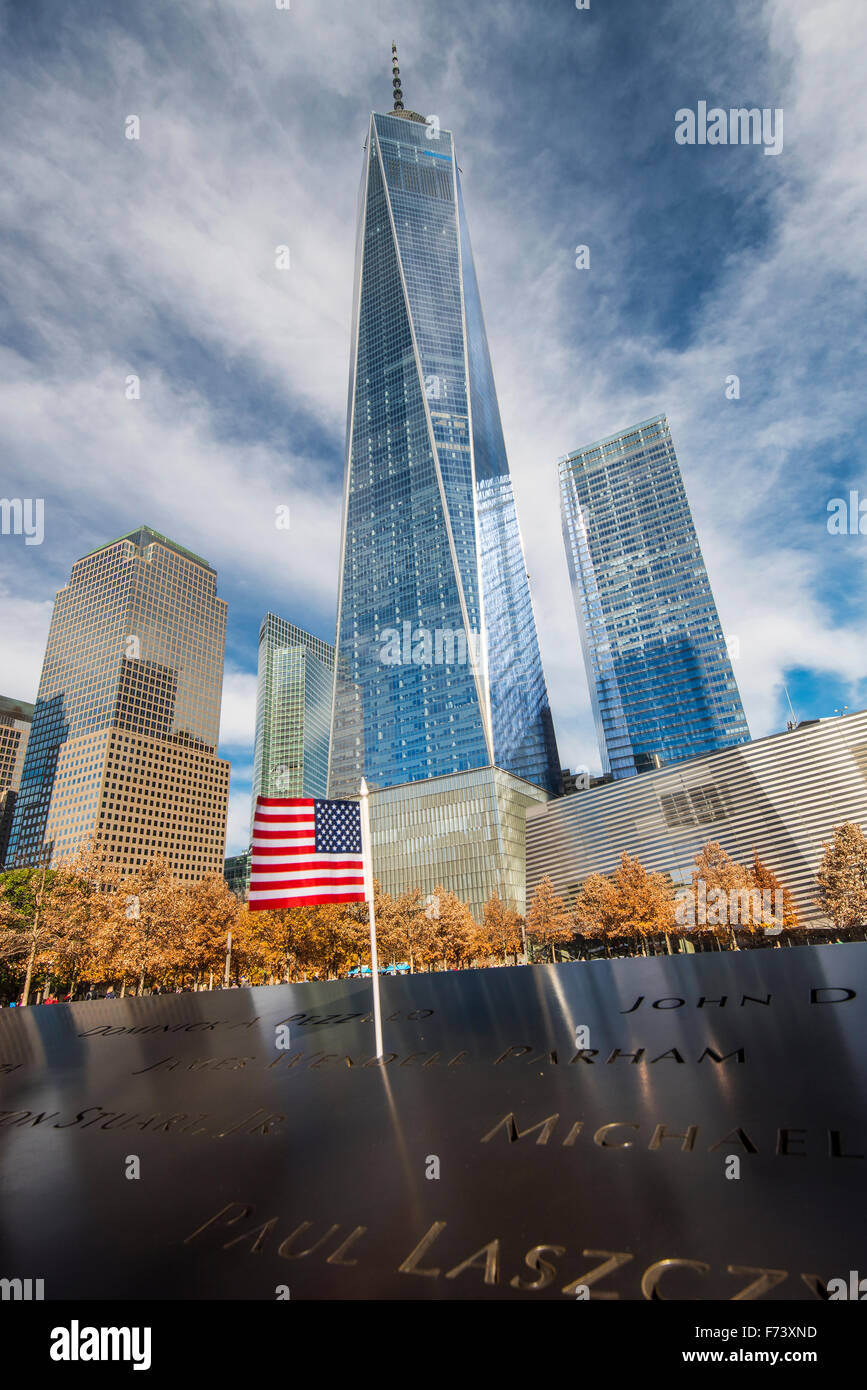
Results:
x,y
395,79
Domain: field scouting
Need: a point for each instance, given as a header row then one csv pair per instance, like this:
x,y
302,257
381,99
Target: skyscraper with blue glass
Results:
x,y
437,659
661,681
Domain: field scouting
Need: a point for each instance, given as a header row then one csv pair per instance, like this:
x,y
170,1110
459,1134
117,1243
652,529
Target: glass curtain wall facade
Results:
x,y
16,716
438,665
236,872
661,681
123,744
293,711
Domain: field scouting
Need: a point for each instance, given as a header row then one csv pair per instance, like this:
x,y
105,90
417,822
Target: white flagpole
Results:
x,y
367,860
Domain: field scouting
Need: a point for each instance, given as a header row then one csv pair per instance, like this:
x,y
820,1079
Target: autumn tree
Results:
x,y
767,882
548,921
453,928
500,930
724,893
338,939
277,942
149,923
414,928
356,929
29,929
210,912
249,943
645,901
631,902
389,929
83,899
842,876
595,912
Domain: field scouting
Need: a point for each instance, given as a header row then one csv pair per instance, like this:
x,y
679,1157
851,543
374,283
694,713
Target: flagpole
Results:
x,y
367,859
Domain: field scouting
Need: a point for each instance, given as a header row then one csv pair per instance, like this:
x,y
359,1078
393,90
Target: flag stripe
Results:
x,y
310,875
283,834
271,861
280,889
295,822
278,845
306,899
284,802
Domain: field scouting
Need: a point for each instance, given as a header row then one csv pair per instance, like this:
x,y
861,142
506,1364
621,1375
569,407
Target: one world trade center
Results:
x,y
437,663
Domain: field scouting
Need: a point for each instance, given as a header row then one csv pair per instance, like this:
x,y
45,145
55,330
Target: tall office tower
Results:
x,y
437,655
293,711
123,747
16,717
661,682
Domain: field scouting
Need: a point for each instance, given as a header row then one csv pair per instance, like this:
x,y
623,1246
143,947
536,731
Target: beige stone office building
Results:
x,y
781,795
125,730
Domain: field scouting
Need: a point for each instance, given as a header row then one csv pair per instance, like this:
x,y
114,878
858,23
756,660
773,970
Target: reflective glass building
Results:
x,y
438,665
16,716
122,751
293,711
661,681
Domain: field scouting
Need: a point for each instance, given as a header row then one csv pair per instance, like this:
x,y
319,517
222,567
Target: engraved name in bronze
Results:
x,y
790,1141
673,1001
488,1264
259,1122
106,1030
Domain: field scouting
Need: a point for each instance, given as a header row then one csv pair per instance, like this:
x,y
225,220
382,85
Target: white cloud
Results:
x,y
238,828
23,635
157,257
238,714
787,316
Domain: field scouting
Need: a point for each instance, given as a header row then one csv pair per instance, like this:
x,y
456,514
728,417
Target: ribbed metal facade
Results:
x,y
781,795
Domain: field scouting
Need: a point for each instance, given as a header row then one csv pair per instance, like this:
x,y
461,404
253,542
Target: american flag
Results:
x,y
305,851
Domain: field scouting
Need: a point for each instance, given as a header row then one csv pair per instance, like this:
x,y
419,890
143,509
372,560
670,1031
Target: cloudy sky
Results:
x,y
156,257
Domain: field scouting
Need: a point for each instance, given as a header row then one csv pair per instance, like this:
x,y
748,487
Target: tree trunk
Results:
x,y
140,989
29,976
